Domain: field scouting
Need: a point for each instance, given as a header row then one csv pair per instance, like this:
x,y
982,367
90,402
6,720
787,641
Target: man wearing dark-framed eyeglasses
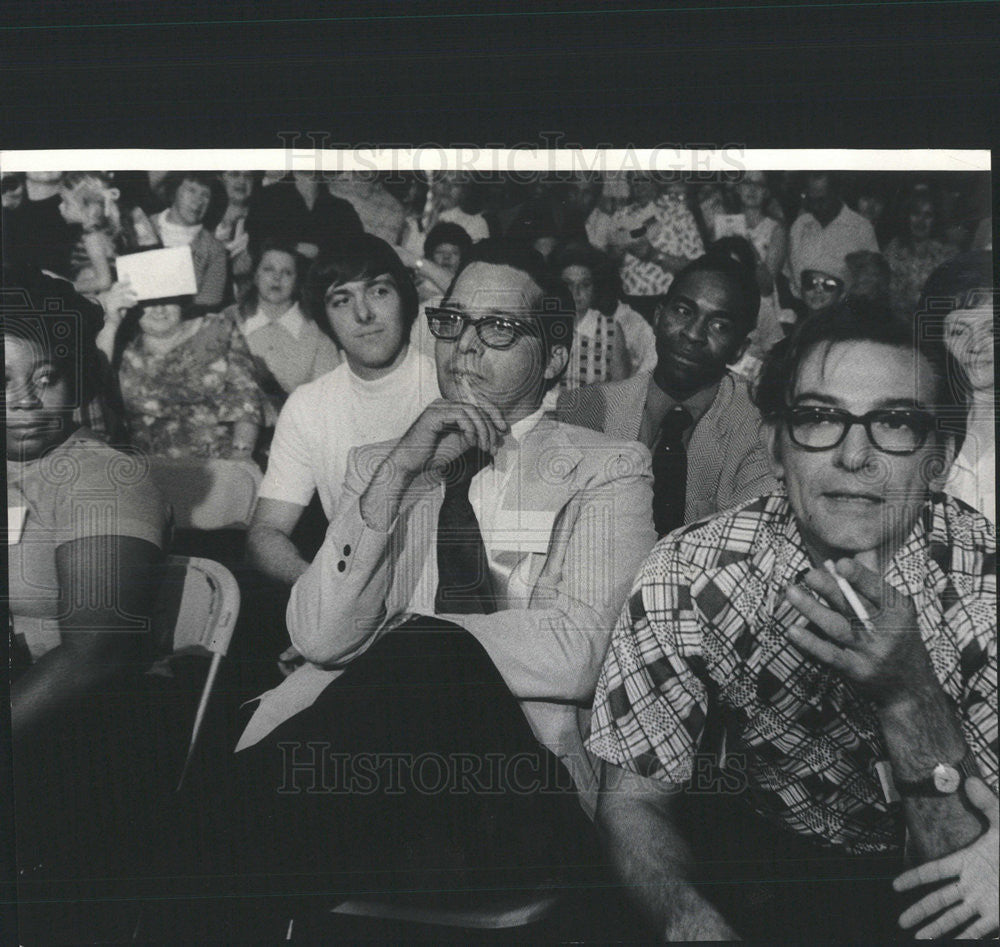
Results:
x,y
842,634
497,331
901,431
465,591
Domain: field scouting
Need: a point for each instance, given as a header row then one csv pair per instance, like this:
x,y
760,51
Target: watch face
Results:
x,y
946,778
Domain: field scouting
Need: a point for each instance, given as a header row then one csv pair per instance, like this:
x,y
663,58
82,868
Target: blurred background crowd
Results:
x,y
810,238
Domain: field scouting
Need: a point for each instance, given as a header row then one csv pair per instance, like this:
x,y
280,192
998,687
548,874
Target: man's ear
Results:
x,y
558,357
771,435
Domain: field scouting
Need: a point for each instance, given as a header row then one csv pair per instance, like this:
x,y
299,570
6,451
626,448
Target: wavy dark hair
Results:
x,y
607,282
175,179
130,328
862,320
447,232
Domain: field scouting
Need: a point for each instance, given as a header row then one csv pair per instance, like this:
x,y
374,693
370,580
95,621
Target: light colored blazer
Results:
x,y
727,464
577,520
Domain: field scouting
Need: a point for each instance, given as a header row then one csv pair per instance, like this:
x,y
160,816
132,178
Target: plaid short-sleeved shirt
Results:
x,y
707,622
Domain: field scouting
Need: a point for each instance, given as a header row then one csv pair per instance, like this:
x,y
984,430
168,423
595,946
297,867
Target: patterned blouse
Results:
x,y
706,624
908,271
590,358
185,402
673,232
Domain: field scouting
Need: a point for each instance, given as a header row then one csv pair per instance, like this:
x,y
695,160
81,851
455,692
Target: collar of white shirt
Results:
x,y
588,324
519,430
292,321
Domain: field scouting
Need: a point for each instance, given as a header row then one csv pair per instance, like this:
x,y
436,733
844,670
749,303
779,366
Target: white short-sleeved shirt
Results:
x,y
474,224
323,419
810,243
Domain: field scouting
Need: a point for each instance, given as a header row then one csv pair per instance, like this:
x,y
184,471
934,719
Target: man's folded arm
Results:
x,y
338,604
552,650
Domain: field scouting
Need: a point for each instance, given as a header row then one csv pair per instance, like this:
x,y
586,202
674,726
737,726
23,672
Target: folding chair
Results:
x,y
195,612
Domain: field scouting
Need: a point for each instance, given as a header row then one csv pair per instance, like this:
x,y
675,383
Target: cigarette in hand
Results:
x,y
852,597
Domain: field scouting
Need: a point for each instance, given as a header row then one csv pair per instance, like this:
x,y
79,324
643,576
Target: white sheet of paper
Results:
x,y
157,274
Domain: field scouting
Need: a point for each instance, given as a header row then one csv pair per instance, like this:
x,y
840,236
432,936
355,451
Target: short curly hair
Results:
x,y
175,179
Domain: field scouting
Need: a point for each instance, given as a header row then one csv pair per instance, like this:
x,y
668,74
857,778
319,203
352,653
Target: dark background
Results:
x,y
151,74
147,73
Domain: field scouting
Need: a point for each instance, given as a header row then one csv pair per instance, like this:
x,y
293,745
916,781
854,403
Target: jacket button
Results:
x,y
347,550
341,566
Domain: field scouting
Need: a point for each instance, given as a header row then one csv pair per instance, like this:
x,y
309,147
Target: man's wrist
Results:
x,y
399,468
944,779
914,693
920,729
380,501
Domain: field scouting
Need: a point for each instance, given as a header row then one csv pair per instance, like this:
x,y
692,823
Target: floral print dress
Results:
x,y
909,269
185,402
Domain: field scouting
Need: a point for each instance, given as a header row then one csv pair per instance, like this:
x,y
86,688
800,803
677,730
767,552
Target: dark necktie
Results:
x,y
670,471
464,584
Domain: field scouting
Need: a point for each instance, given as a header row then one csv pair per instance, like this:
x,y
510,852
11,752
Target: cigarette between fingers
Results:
x,y
860,612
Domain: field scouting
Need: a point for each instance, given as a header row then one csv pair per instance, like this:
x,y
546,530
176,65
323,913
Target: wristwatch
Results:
x,y
944,780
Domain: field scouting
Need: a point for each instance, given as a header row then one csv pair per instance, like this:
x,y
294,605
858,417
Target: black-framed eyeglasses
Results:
x,y
497,332
891,430
829,284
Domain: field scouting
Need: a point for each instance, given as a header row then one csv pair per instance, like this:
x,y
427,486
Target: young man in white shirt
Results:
x,y
467,609
369,303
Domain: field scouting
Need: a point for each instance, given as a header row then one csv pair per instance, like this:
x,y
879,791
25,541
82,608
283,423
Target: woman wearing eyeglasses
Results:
x,y
822,289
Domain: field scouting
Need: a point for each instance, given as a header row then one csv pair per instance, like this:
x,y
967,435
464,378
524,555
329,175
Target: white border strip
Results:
x,y
300,156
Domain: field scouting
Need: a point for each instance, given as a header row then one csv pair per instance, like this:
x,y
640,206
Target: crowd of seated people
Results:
x,y
719,453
